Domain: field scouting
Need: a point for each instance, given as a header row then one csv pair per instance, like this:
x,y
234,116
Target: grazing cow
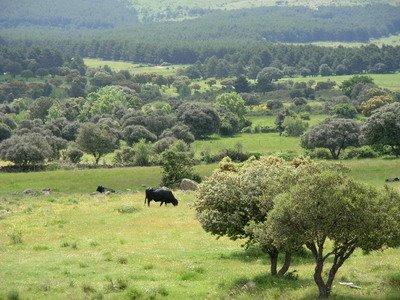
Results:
x,y
163,195
393,179
101,189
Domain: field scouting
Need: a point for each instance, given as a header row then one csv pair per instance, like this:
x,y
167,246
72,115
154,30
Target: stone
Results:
x,y
188,185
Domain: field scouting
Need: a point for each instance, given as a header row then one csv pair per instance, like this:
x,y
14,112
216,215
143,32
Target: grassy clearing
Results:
x,y
393,40
389,81
133,67
86,181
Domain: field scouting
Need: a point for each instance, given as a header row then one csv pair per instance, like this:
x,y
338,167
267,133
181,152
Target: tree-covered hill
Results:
x,y
72,13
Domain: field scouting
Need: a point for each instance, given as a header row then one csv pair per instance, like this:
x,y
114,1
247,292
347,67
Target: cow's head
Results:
x,y
175,202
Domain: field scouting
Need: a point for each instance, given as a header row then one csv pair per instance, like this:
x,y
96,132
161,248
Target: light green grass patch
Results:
x,y
133,67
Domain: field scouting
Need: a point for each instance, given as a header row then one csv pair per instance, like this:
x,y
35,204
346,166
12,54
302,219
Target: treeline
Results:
x,y
98,14
222,59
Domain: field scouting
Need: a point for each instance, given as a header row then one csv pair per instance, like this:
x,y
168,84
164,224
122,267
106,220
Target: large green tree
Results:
x,y
96,140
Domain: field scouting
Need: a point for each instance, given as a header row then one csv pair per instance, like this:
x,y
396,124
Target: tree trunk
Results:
x,y
273,256
324,291
286,264
97,159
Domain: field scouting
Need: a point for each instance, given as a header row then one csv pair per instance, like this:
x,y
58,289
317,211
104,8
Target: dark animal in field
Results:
x,y
102,190
393,179
163,195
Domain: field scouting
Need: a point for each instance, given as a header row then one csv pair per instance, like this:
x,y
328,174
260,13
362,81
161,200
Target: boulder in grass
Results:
x,y
188,185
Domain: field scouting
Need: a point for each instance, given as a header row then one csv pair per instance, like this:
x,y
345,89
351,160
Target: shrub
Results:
x,y
345,110
164,143
319,153
177,163
294,126
361,152
73,154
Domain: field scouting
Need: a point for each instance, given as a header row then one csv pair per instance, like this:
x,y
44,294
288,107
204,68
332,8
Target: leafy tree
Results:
x,y
266,77
96,140
39,108
5,132
177,163
143,151
106,100
279,121
294,126
383,127
234,103
234,200
348,85
202,119
242,85
329,207
73,154
345,110
333,134
180,132
135,133
26,149
374,103
325,70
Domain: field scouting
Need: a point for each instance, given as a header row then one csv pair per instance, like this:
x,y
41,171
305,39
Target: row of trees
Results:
x,y
284,207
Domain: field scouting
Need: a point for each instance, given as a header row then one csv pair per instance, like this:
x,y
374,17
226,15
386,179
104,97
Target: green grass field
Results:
x,y
74,245
133,67
393,40
389,81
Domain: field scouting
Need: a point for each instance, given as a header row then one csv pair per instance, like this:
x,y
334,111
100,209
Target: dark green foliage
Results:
x,y
5,132
177,163
345,110
96,140
135,133
383,127
73,14
347,86
202,119
27,149
333,134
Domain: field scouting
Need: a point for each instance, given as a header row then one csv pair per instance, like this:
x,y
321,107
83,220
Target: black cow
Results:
x,y
102,189
162,195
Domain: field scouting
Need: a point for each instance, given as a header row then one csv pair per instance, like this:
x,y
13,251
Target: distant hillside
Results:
x,y
159,10
93,14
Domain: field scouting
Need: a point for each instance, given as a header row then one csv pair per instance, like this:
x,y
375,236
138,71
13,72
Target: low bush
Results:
x,y
319,153
360,152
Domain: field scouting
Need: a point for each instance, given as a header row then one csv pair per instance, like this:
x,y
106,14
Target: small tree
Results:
x,y
234,103
177,163
332,216
96,140
348,85
5,132
333,134
294,126
242,85
233,201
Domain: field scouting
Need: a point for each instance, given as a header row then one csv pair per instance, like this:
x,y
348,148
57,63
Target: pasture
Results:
x,y
133,67
75,245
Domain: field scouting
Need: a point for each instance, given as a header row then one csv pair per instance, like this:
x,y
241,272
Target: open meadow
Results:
x,y
71,244
134,67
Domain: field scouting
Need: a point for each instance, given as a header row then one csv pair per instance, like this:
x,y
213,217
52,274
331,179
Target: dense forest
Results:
x,y
71,14
235,40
